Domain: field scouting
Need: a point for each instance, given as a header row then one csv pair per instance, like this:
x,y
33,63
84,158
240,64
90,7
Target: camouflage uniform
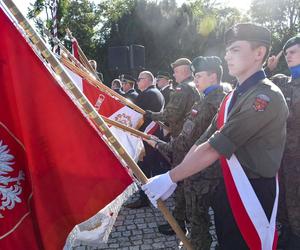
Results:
x,y
177,109
190,197
290,170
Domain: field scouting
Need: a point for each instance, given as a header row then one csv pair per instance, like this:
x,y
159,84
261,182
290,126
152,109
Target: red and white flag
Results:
x,y
56,170
258,232
109,106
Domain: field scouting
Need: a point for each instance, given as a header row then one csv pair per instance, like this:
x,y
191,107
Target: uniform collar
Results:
x,y
211,89
295,72
251,81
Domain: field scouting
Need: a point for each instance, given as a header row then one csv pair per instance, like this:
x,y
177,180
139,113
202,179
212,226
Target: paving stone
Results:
x,y
136,229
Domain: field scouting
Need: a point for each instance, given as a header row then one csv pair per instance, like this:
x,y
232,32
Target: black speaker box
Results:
x,y
137,57
118,58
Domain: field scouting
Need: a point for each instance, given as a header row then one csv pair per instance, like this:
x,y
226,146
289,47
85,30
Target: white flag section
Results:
x,y
120,113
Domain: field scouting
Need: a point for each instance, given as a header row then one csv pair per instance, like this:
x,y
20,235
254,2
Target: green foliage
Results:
x,y
166,30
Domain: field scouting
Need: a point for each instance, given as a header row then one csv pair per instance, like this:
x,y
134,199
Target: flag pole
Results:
x,y
98,84
83,56
132,131
89,110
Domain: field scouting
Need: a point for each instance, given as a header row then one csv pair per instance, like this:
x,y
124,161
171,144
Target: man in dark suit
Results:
x,y
152,99
164,83
128,83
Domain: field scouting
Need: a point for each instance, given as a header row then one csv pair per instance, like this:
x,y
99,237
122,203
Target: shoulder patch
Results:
x,y
178,89
261,102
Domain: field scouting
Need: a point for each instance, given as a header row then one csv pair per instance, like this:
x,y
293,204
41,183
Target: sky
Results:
x,y
242,5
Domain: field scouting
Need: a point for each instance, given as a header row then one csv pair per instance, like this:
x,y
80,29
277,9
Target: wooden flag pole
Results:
x,y
126,128
85,61
89,110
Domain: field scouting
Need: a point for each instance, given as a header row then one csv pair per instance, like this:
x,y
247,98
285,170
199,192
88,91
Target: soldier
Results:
x,y
248,136
164,83
208,74
181,100
128,83
290,172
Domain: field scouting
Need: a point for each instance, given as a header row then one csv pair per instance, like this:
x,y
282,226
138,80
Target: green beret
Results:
x,y
248,32
291,42
127,78
209,63
161,74
181,61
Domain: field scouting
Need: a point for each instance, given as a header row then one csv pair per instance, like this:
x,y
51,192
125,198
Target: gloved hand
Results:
x,y
160,186
148,115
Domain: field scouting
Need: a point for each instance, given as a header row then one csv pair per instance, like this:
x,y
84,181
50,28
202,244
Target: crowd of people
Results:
x,y
225,149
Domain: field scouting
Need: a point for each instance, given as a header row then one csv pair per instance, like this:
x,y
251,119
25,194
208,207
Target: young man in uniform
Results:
x,y
208,74
164,83
289,209
247,136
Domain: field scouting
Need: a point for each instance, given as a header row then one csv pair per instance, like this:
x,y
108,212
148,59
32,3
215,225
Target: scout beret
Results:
x,y
210,63
127,78
248,32
291,42
161,74
181,61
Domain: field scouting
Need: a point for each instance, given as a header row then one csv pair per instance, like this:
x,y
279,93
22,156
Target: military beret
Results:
x,y
208,63
291,42
127,78
181,61
248,32
161,74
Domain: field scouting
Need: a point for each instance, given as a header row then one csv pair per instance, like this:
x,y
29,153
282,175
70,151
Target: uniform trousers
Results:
x,y
229,236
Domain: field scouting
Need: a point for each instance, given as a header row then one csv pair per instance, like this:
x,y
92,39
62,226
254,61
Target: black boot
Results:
x,y
142,201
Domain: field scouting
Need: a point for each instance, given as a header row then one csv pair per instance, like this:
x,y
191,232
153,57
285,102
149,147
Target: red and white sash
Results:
x,y
258,232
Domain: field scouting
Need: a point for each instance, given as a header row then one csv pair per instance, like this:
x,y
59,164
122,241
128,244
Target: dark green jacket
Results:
x,y
177,109
257,138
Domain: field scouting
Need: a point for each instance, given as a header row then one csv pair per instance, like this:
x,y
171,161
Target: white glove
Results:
x,y
160,186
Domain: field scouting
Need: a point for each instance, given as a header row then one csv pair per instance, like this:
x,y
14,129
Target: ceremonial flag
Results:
x,y
111,107
55,168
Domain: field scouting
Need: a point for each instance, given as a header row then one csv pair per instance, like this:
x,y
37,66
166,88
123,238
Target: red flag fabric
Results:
x,y
55,169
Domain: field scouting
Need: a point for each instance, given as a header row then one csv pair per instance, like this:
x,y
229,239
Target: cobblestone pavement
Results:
x,y
136,229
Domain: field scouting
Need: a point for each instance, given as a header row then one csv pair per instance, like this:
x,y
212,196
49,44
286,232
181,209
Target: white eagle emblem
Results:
x,y
10,188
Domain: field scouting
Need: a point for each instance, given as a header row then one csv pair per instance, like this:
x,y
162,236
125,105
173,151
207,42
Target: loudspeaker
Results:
x,y
118,58
137,57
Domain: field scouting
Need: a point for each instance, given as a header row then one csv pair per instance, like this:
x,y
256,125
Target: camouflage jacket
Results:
x,y
291,91
196,123
178,107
